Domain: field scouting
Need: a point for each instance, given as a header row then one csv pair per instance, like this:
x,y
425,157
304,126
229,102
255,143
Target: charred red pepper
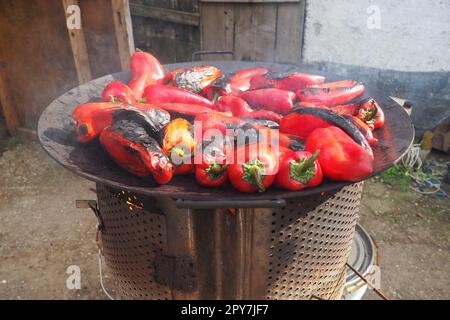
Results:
x,y
92,118
240,80
276,100
298,170
212,172
118,92
131,147
188,111
233,83
145,70
259,131
257,170
239,108
340,158
264,115
166,94
220,87
287,81
350,109
192,79
364,129
329,94
372,114
302,121
177,141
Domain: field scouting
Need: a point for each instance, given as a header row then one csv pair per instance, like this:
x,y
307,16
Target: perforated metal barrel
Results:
x,y
155,250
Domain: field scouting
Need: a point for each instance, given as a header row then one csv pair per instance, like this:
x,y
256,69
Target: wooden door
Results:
x,y
257,30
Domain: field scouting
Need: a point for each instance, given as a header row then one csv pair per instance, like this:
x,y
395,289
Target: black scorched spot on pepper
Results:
x,y
131,146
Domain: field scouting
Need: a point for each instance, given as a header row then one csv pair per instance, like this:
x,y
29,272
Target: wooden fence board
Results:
x,y
289,37
256,30
124,31
218,30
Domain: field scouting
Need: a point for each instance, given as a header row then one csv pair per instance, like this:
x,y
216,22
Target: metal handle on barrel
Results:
x,y
216,204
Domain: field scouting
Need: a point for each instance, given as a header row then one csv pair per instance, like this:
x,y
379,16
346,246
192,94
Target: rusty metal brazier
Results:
x,y
182,241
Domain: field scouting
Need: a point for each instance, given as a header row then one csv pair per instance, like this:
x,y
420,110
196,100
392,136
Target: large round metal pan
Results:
x,y
57,136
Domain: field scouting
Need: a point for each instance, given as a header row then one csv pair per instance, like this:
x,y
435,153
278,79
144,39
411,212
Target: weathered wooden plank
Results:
x,y
244,32
217,30
101,42
7,104
43,68
255,31
180,5
264,20
168,15
289,37
79,50
124,31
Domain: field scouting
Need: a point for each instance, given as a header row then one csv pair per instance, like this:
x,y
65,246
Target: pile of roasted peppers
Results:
x,y
312,129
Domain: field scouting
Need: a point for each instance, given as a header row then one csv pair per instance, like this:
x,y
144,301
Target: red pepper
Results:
x,y
92,118
299,170
311,105
145,70
222,123
372,114
302,121
265,115
178,144
118,91
257,170
220,87
192,79
240,80
159,93
212,172
239,108
276,100
188,111
286,81
347,109
232,84
329,94
132,148
364,129
217,123
340,158
286,141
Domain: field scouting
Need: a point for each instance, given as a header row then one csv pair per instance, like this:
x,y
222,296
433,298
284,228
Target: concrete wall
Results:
x,y
410,35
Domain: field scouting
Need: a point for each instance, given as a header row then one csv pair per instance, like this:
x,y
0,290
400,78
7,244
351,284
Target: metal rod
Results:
x,y
100,271
200,53
215,204
371,286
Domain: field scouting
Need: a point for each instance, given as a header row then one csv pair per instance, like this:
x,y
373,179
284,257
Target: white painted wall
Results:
x,y
414,35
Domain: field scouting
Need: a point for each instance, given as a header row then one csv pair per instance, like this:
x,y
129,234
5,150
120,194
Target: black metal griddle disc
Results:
x,y
57,136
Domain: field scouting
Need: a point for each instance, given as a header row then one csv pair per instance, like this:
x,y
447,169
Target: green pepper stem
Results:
x,y
302,170
216,96
256,173
310,162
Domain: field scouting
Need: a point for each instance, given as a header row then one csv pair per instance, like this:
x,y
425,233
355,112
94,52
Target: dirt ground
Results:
x,y
42,234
